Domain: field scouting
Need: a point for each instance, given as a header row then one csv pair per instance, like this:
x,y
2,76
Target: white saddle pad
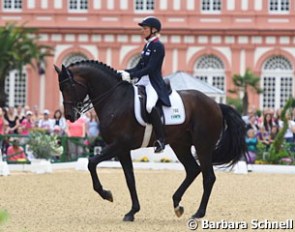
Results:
x,y
174,115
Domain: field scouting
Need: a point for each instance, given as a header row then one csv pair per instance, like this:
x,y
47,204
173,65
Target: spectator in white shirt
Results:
x,y
46,123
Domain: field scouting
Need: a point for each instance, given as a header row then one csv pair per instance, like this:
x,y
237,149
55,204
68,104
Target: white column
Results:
x,y
175,60
109,57
242,62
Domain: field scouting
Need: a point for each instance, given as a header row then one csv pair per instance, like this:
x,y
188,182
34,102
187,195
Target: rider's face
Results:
x,y
146,31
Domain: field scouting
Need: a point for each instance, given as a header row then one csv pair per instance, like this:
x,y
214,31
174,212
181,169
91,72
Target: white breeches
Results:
x,y
151,94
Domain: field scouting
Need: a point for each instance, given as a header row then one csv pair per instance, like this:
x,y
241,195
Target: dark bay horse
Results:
x,y
216,130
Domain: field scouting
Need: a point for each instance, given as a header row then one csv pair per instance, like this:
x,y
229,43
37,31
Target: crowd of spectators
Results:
x,y
19,120
264,128
22,120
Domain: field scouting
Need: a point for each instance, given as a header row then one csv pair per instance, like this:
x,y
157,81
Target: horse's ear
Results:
x,y
57,69
63,68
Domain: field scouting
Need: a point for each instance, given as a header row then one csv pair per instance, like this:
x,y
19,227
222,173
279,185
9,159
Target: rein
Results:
x,y
90,103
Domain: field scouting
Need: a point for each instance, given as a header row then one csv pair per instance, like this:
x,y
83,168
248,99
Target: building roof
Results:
x,y
182,81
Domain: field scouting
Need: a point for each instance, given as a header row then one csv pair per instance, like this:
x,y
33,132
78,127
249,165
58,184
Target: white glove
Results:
x,y
125,75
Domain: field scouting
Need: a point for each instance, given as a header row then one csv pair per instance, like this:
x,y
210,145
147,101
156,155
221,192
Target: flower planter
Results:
x,y
4,169
82,164
41,166
240,167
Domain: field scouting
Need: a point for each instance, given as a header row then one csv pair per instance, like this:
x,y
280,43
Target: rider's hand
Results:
x,y
125,75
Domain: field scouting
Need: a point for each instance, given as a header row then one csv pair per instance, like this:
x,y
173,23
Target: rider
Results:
x,y
149,72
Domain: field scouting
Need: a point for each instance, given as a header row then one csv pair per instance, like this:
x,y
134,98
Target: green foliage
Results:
x,y
18,47
243,83
3,216
279,139
261,150
270,156
237,103
44,145
279,148
258,113
275,157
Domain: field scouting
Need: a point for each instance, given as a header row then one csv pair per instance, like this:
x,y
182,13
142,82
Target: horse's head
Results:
x,y
73,91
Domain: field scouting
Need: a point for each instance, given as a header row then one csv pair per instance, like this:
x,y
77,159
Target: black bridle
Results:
x,y
83,106
78,105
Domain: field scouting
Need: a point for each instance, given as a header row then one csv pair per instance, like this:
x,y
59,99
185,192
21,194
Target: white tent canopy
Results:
x,y
183,81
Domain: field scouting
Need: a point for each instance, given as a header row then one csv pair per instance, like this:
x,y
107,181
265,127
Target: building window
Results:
x,y
12,4
144,5
277,6
277,82
210,69
78,5
16,89
211,5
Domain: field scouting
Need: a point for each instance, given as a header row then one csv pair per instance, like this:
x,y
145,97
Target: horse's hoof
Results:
x,y
179,210
198,216
128,218
107,195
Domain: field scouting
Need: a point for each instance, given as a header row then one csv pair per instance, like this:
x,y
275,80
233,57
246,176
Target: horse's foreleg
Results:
x,y
192,169
107,153
126,162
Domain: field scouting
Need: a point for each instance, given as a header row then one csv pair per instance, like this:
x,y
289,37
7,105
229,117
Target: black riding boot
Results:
x,y
159,130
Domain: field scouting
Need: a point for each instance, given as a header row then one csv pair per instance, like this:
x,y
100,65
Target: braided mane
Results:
x,y
99,65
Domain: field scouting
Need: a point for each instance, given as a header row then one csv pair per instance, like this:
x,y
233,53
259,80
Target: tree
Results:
x,y
242,84
18,47
280,148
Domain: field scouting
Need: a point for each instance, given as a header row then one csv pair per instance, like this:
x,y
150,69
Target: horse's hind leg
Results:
x,y
204,155
183,153
126,162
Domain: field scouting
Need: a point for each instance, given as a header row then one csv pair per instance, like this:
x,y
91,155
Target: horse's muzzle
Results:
x,y
69,117
72,117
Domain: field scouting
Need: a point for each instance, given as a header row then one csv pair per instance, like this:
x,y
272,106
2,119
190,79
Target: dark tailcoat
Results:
x,y
150,64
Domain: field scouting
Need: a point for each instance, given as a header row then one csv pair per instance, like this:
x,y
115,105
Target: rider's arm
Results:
x,y
156,59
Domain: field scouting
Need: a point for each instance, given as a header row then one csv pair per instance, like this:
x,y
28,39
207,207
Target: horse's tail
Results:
x,y
232,144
